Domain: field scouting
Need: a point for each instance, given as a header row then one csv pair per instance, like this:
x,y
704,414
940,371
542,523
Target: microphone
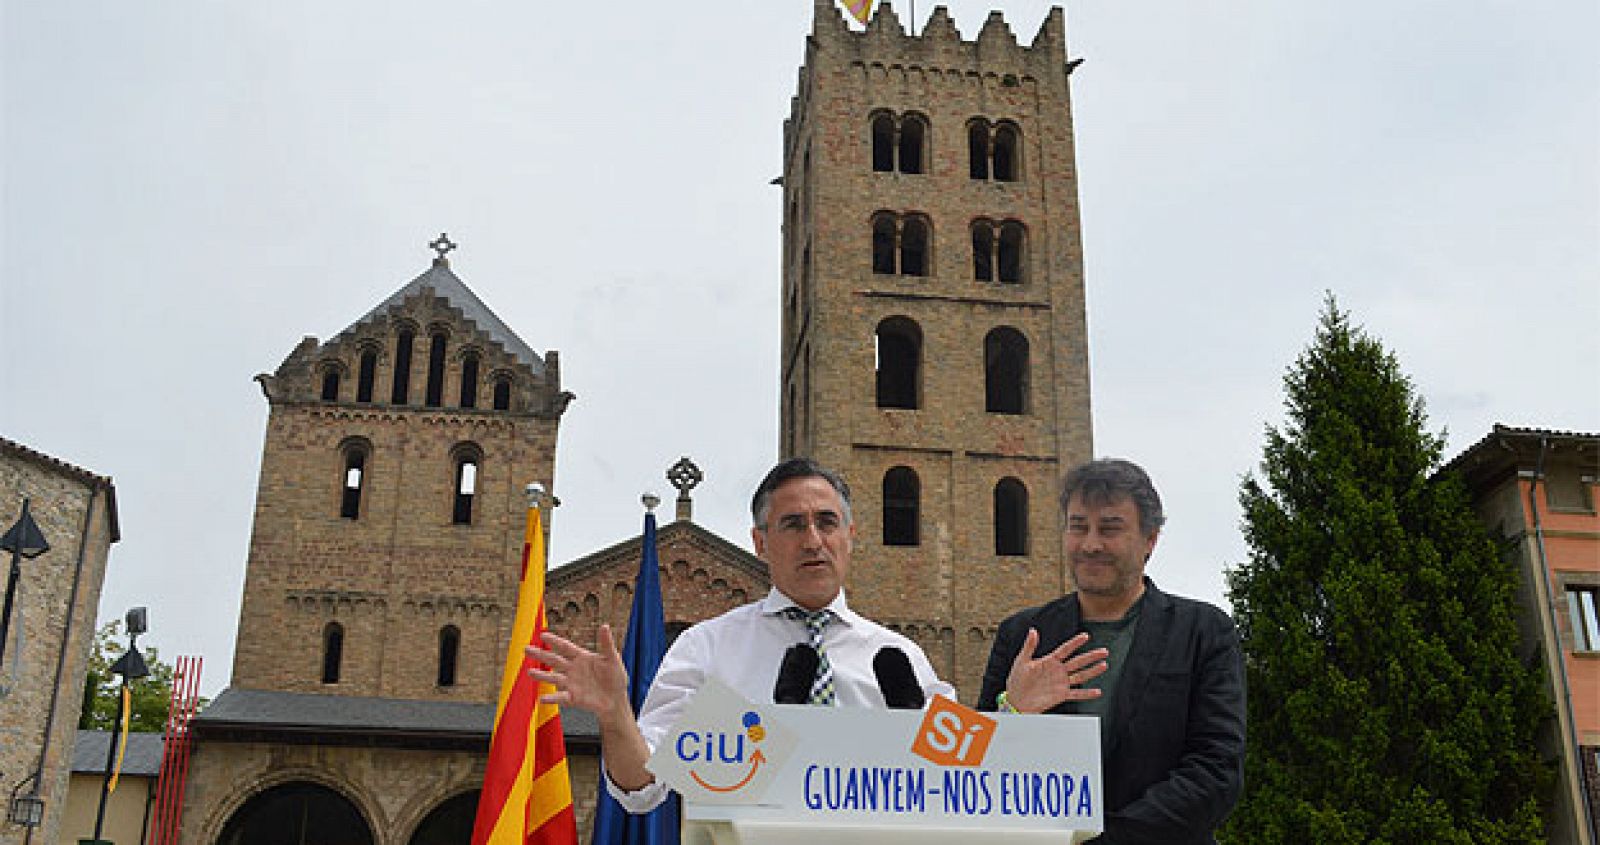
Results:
x,y
897,680
796,675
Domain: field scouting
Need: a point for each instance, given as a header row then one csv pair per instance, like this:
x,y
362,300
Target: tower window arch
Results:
x,y
899,142
1005,371
449,652
433,395
354,479
469,380
902,507
1010,517
330,383
332,652
983,244
366,374
997,250
993,150
502,393
401,391
899,363
901,243
467,459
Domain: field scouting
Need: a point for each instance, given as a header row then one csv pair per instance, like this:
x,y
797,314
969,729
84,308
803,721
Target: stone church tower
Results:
x,y
382,577
933,344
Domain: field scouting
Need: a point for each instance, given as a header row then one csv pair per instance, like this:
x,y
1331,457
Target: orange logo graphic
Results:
x,y
953,735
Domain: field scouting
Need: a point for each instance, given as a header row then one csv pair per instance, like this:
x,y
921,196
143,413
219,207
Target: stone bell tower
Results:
x,y
934,343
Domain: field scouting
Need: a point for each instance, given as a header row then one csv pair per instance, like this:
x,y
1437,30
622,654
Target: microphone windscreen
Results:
x,y
897,680
796,675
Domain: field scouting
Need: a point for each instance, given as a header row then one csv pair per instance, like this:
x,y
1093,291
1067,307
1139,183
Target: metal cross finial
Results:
x,y
684,475
442,245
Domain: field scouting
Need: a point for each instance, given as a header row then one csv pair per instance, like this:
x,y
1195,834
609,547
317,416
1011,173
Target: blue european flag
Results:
x,y
641,653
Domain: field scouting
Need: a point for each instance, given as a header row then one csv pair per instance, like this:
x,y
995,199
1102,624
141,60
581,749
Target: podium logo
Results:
x,y
953,735
724,753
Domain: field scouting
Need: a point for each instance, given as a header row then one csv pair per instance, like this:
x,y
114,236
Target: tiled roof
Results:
x,y
142,757
294,712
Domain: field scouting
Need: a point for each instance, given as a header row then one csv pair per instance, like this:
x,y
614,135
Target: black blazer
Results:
x,y
1174,766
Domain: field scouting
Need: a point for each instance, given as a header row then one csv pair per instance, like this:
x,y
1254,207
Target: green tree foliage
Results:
x,y
150,695
1388,702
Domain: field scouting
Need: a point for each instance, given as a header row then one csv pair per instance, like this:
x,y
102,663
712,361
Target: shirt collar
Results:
x,y
776,602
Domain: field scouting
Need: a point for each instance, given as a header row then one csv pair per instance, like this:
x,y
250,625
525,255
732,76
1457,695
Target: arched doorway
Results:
x,y
450,823
297,813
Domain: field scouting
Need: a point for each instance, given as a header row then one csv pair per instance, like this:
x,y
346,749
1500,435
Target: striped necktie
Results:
x,y
816,622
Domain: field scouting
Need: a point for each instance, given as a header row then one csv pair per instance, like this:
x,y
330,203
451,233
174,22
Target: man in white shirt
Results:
x,y
804,533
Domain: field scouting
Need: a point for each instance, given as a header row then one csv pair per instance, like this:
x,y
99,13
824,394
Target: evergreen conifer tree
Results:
x,y
1388,698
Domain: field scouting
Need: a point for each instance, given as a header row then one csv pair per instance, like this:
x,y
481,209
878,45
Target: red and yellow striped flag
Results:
x,y
861,10
527,794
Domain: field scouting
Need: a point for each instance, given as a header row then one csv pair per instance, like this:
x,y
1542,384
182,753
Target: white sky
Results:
x,y
188,188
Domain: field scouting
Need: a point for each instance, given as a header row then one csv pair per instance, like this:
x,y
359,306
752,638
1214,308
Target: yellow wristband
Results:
x,y
1004,704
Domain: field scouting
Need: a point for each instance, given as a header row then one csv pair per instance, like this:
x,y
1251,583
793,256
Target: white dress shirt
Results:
x,y
744,647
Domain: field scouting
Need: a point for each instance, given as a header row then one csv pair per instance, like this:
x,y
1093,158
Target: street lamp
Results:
x,y
131,667
24,540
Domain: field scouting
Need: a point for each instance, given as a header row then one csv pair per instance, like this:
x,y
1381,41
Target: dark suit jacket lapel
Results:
x,y
1149,643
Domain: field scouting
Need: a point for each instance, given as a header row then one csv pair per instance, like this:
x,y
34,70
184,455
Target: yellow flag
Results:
x,y
122,750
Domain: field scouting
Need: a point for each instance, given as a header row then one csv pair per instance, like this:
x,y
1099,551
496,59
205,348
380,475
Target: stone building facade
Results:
x,y
50,630
933,337
1537,489
382,576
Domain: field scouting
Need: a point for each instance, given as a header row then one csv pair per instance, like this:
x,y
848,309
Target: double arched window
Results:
x,y
901,244
997,251
898,353
992,150
899,142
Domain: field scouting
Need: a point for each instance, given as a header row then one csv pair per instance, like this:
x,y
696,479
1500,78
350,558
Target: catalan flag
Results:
x,y
527,794
861,10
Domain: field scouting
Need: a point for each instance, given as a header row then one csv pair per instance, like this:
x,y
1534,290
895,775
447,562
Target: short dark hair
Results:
x,y
790,469
1110,479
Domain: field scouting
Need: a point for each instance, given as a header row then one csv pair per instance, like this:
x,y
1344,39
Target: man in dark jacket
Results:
x,y
1165,674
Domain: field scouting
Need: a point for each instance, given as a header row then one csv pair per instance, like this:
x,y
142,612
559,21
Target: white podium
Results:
x,y
779,774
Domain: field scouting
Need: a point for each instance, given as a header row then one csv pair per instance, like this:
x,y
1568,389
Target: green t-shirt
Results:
x,y
1116,637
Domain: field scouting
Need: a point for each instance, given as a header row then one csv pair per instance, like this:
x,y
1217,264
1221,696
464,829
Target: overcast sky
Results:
x,y
189,188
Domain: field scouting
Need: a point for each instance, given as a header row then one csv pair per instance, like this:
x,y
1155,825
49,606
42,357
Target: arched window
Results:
x,y
469,381
902,494
1005,153
332,652
1010,517
449,650
914,246
402,367
901,244
899,143
467,459
366,375
899,363
978,149
1005,371
883,244
330,384
983,250
502,393
300,811
355,478
883,143
434,396
913,135
1010,252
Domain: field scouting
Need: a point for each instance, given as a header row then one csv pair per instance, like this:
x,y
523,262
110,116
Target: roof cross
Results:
x,y
442,245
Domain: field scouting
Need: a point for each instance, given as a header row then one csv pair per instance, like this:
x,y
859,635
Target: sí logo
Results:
x,y
730,759
953,735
